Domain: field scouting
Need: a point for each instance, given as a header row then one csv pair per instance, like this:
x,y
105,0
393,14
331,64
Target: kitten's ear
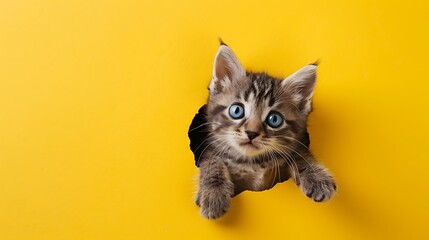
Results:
x,y
300,87
226,69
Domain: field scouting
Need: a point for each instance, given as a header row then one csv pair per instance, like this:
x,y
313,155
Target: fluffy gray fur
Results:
x,y
248,154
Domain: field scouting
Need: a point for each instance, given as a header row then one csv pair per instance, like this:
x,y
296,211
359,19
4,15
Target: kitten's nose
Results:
x,y
251,134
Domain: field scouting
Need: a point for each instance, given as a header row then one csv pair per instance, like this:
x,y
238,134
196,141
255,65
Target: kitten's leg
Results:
x,y
314,179
215,188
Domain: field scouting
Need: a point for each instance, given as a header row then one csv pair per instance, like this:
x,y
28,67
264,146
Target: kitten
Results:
x,y
256,128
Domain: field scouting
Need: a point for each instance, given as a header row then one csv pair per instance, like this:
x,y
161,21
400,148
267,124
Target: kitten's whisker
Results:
x,y
201,144
287,162
277,168
302,144
201,125
303,158
286,146
280,174
289,159
221,144
214,141
274,168
290,156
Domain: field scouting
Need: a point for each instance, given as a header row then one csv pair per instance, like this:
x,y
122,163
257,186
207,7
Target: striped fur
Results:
x,y
233,162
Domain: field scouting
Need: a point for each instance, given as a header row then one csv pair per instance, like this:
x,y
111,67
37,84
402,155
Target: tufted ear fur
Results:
x,y
300,87
226,69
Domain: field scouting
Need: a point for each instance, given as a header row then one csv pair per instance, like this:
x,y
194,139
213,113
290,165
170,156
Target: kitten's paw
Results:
x,y
318,188
213,205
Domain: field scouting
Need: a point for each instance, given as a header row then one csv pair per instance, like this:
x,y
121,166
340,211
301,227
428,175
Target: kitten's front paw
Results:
x,y
213,204
319,188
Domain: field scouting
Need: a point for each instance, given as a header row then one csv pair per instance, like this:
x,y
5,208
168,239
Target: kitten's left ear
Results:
x,y
226,69
300,86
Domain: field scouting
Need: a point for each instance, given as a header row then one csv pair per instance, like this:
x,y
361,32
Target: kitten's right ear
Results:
x,y
226,69
300,87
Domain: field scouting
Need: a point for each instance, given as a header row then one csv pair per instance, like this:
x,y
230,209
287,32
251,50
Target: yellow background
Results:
x,y
96,98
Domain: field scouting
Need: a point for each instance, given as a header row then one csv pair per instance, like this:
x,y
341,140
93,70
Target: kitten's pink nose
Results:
x,y
251,134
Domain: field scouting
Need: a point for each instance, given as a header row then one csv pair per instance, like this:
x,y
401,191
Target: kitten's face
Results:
x,y
255,114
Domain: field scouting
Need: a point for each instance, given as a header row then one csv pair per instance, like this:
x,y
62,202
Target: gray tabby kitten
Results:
x,y
256,126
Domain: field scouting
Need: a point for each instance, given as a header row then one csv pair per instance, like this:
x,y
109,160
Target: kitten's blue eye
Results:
x,y
236,111
274,120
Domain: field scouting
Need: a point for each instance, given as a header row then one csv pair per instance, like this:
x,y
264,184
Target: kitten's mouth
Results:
x,y
249,148
248,144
